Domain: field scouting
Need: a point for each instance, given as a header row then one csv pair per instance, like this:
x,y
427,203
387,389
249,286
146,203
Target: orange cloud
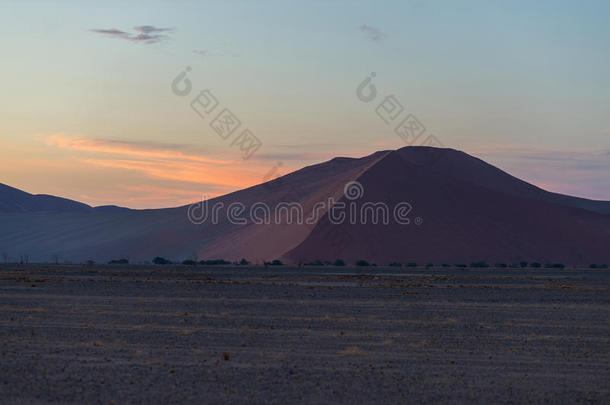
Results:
x,y
145,195
230,177
162,161
139,149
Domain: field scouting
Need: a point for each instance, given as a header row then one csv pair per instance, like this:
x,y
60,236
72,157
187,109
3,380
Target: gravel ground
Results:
x,y
175,334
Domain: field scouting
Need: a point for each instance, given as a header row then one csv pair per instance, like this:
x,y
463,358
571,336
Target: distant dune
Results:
x,y
463,210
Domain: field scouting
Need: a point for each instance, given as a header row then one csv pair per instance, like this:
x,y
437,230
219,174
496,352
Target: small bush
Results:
x,y
523,264
189,262
411,264
536,265
460,265
276,263
395,264
161,260
500,265
244,262
89,262
119,261
446,265
362,263
479,264
429,265
339,262
214,262
315,263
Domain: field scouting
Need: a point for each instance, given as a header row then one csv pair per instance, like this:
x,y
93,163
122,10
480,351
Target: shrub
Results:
x,y
89,262
161,260
189,262
119,261
339,262
535,265
362,263
523,264
411,264
446,265
276,263
214,262
479,264
315,263
500,265
244,262
593,266
395,264
429,265
460,265
558,265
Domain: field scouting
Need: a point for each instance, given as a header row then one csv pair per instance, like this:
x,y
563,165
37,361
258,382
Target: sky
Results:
x,y
92,107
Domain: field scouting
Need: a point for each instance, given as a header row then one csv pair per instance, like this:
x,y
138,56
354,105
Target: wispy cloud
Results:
x,y
147,150
147,34
372,33
162,161
143,196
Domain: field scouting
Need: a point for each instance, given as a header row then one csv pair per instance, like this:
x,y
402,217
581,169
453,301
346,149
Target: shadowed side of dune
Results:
x,y
462,221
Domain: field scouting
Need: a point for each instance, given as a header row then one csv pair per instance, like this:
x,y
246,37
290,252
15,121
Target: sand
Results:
x,y
175,334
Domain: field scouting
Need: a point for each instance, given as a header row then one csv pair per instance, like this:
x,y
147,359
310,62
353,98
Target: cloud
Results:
x,y
146,150
162,161
372,33
147,34
113,32
149,196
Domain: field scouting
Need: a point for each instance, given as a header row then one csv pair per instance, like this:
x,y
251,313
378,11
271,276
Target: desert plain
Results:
x,y
250,334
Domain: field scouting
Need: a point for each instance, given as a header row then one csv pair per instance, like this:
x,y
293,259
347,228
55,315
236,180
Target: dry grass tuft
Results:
x,y
189,331
351,351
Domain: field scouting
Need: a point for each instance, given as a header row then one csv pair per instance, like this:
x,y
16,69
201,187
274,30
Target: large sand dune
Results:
x,y
468,209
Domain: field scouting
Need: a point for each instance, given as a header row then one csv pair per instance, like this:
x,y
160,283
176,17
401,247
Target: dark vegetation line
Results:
x,y
24,259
